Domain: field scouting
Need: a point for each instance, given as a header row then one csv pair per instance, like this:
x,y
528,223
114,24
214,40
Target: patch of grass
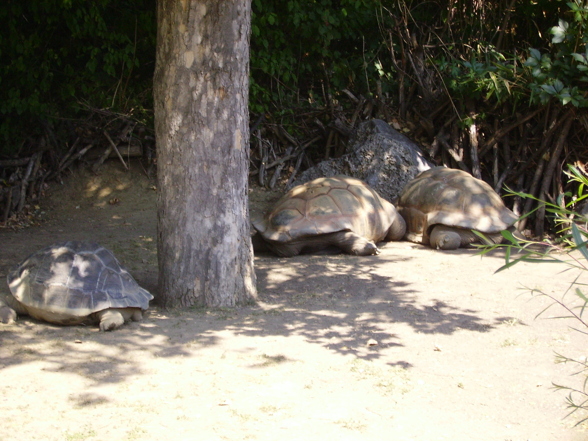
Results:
x,y
511,322
24,351
272,360
136,433
509,342
269,409
352,424
224,313
389,379
143,407
86,433
243,417
274,311
87,399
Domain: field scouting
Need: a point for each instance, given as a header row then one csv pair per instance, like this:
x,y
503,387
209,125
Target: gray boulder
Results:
x,y
377,154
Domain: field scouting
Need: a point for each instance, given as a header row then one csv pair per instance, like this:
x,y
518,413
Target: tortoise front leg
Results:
x,y
451,238
10,308
7,314
114,318
446,238
110,319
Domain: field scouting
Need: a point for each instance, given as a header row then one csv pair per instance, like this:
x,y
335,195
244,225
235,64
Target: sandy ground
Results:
x,y
413,344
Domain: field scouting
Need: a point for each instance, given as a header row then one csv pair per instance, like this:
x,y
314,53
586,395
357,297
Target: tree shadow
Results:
x,y
346,304
342,304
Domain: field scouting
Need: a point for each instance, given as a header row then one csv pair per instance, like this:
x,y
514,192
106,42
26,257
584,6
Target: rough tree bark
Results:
x,y
201,122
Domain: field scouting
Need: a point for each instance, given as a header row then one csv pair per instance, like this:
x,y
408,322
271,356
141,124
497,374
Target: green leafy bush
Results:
x,y
488,76
307,50
55,53
562,74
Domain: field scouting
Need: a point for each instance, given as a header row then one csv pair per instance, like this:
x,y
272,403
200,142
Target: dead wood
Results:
x,y
549,171
115,148
301,156
20,162
23,178
473,137
457,156
494,138
25,182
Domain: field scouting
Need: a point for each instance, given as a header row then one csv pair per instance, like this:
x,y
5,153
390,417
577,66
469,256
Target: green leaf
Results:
x,y
580,244
580,294
559,32
535,53
532,62
510,237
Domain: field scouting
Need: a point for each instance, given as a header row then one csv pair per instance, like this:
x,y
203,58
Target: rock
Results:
x,y
377,154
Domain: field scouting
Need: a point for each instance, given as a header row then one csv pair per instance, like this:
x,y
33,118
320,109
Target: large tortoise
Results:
x,y
442,206
339,212
71,283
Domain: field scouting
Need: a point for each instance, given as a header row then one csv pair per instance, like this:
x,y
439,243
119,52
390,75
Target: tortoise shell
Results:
x,y
75,279
453,198
329,205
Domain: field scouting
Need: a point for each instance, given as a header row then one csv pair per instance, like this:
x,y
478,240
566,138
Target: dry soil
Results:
x,y
412,344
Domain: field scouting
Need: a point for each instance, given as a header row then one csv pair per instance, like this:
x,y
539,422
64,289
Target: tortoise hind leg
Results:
x,y
397,230
351,243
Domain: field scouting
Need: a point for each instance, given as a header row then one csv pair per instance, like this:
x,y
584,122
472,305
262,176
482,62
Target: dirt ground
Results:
x,y
413,344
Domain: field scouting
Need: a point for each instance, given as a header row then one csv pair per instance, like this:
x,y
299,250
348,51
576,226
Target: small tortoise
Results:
x,y
71,283
339,212
442,206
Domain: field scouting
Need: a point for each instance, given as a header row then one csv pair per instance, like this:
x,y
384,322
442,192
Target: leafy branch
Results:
x,y
570,249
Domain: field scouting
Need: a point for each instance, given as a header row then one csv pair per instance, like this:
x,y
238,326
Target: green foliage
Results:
x,y
561,73
57,52
311,48
489,76
569,249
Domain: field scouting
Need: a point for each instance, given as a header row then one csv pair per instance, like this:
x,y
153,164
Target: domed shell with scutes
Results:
x,y
453,198
75,279
327,205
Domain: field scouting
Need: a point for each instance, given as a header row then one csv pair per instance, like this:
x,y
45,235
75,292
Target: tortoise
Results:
x,y
339,211
71,283
442,206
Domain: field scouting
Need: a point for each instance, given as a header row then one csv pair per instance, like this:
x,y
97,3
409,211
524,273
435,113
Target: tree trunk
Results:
x,y
201,121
